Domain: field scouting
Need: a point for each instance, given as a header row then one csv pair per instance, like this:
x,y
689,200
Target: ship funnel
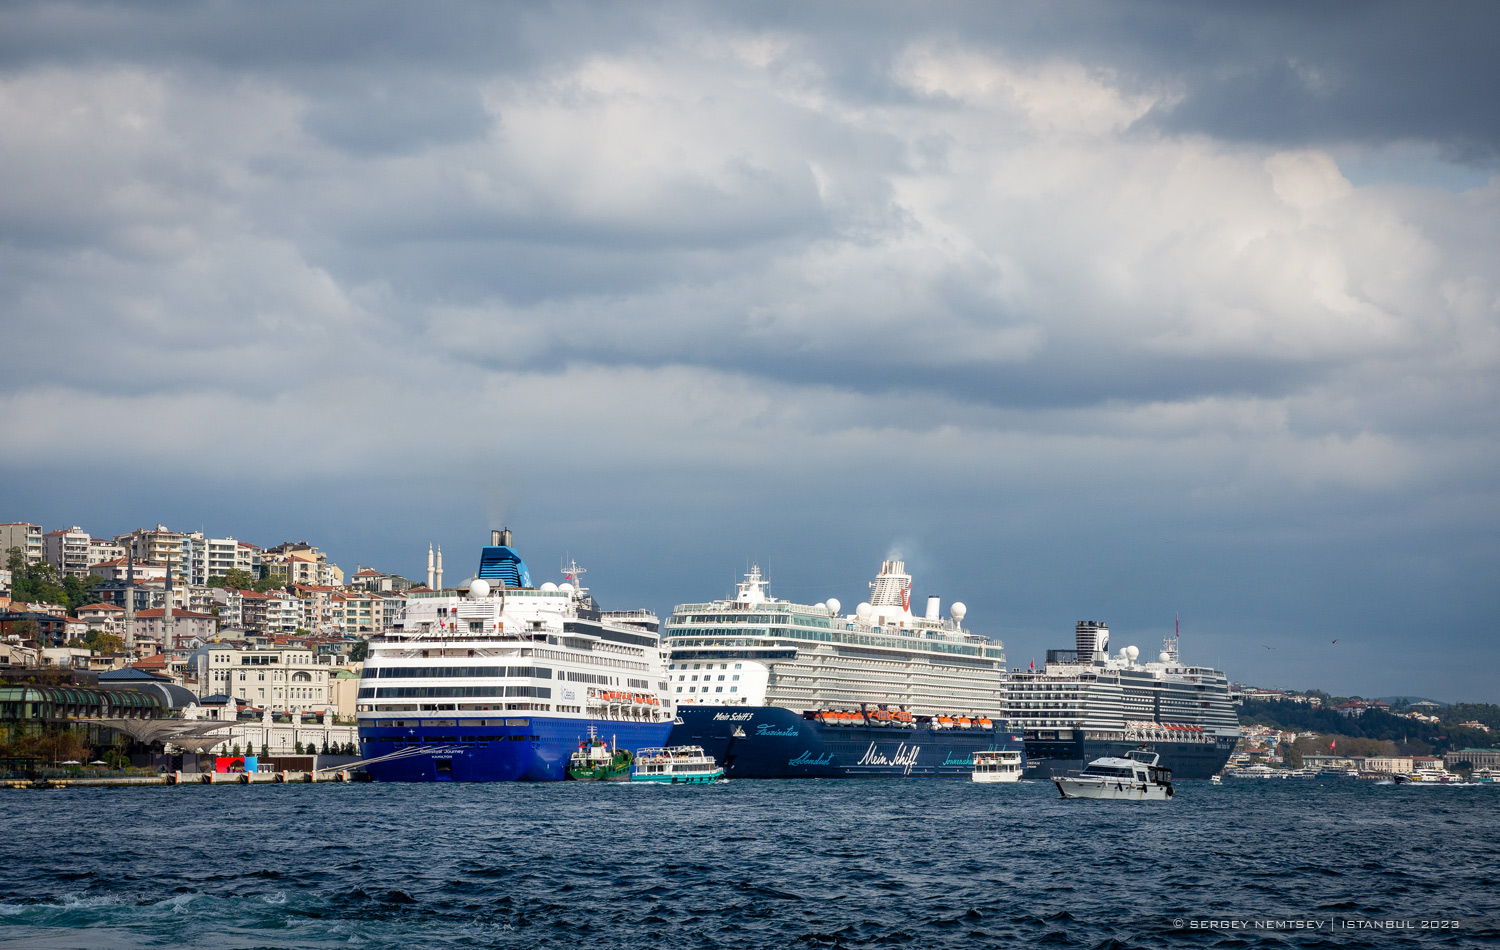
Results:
x,y
934,607
494,537
505,537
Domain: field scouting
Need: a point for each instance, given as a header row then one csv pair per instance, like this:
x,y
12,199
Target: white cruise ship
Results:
x,y
1086,703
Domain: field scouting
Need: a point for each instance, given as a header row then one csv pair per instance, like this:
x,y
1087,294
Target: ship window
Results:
x,y
679,689
692,689
718,689
695,677
734,689
697,666
738,665
735,676
721,676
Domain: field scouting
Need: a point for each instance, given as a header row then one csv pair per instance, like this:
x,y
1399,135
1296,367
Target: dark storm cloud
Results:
x,y
1022,290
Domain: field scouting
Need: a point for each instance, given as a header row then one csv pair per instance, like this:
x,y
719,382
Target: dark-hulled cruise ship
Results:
x,y
1085,703
774,689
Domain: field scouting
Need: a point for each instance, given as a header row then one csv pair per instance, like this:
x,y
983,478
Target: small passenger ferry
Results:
x,y
998,765
1136,777
676,765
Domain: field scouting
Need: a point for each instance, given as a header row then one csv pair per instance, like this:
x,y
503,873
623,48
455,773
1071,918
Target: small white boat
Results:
x,y
1136,777
1215,780
1256,771
997,765
675,765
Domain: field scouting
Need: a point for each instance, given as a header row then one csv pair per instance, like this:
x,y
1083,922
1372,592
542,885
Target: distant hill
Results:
x,y
1411,699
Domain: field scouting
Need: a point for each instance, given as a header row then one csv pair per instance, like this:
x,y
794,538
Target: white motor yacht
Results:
x,y
1136,777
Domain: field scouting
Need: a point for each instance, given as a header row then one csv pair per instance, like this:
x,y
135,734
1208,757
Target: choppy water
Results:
x,y
741,864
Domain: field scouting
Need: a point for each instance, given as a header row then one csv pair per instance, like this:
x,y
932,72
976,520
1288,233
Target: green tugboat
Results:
x,y
596,761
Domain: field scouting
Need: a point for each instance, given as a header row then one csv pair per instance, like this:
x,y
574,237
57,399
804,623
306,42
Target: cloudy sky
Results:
x,y
1089,311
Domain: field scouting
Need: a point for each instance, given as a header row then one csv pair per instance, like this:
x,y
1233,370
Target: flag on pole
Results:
x,y
1331,745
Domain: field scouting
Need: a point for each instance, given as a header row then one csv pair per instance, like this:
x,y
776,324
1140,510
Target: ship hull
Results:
x,y
772,742
1046,759
523,749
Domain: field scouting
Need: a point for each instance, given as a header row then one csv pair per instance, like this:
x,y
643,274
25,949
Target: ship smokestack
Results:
x,y
1092,640
495,538
505,537
934,607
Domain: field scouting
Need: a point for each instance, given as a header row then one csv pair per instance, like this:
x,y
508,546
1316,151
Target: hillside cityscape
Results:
x,y
270,641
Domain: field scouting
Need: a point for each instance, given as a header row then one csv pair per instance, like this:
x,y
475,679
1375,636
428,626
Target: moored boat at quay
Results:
x,y
502,680
774,689
675,765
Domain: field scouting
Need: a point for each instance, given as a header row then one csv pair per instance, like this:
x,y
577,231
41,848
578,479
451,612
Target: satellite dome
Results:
x,y
1131,653
833,605
565,587
862,612
1164,657
478,588
958,610
549,586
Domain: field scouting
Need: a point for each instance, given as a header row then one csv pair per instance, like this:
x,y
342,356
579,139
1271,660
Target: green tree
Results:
x,y
299,747
235,577
359,651
104,644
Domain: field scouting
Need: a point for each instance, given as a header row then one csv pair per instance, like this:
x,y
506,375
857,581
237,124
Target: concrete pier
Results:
x,y
188,778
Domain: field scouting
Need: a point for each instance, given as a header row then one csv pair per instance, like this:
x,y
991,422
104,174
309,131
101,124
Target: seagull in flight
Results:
x,y
1268,648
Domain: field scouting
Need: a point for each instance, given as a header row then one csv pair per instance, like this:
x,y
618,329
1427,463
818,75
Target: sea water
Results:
x,y
821,863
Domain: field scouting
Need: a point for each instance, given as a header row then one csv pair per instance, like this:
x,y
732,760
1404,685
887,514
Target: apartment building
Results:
x,y
67,550
23,535
297,562
186,630
284,612
103,549
161,546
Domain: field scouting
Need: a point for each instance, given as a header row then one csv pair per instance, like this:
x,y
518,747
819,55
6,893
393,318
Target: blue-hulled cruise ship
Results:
x,y
501,681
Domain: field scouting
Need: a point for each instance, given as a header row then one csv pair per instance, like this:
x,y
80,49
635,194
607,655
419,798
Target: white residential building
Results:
x,y
284,612
67,550
223,556
102,549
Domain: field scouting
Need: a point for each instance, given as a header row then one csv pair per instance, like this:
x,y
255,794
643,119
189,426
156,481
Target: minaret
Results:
x,y
168,626
130,605
440,567
429,568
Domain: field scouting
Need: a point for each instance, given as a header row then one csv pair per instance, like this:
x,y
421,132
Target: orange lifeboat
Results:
x,y
963,722
984,722
943,722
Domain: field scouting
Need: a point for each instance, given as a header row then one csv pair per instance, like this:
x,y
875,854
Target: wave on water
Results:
x,y
860,863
